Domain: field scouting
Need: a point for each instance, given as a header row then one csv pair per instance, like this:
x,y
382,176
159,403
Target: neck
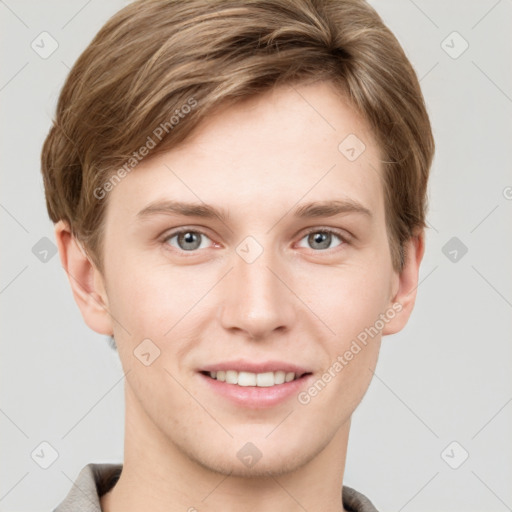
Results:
x,y
159,476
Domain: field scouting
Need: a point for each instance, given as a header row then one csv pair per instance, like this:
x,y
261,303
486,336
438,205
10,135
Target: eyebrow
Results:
x,y
307,210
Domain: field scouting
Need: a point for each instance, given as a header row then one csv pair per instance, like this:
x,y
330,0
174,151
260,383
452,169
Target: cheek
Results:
x,y
351,306
353,297
157,298
363,298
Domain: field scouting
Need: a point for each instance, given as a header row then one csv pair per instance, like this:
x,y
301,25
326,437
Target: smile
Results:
x,y
263,380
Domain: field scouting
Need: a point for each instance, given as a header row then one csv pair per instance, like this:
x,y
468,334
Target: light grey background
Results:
x,y
445,378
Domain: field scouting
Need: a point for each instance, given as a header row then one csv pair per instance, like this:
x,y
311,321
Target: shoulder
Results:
x,y
94,480
355,501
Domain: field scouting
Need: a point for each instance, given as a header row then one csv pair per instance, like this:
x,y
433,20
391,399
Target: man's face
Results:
x,y
262,285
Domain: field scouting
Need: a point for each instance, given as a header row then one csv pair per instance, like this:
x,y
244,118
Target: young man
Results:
x,y
239,194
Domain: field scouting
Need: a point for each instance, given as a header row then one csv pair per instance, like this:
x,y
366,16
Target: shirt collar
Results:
x,y
92,482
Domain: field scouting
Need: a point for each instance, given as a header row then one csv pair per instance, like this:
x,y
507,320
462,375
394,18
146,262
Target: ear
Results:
x,y
86,281
406,284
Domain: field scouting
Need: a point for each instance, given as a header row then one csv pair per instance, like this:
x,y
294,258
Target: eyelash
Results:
x,y
342,237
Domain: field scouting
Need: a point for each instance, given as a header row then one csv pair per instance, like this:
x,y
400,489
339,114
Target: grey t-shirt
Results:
x,y
94,480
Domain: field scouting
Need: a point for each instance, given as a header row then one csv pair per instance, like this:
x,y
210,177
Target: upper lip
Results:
x,y
240,365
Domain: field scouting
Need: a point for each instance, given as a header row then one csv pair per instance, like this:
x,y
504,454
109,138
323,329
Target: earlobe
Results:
x,y
86,281
403,300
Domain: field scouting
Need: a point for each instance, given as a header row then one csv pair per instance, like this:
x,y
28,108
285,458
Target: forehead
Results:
x,y
292,145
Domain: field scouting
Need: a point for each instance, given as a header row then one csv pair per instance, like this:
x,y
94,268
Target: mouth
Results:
x,y
250,385
261,380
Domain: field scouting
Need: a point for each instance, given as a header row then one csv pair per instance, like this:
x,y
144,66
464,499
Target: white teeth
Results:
x,y
246,379
231,377
289,376
263,380
279,377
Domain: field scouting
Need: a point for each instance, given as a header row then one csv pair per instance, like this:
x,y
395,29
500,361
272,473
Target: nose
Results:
x,y
258,299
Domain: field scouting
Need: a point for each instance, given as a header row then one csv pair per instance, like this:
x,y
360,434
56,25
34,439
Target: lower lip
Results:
x,y
255,397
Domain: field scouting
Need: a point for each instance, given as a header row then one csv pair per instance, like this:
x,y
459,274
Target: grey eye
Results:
x,y
321,240
187,240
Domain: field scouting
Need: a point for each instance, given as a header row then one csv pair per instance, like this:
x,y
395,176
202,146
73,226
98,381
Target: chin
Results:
x,y
268,468
258,459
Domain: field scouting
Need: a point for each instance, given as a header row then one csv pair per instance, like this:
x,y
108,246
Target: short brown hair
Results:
x,y
154,57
